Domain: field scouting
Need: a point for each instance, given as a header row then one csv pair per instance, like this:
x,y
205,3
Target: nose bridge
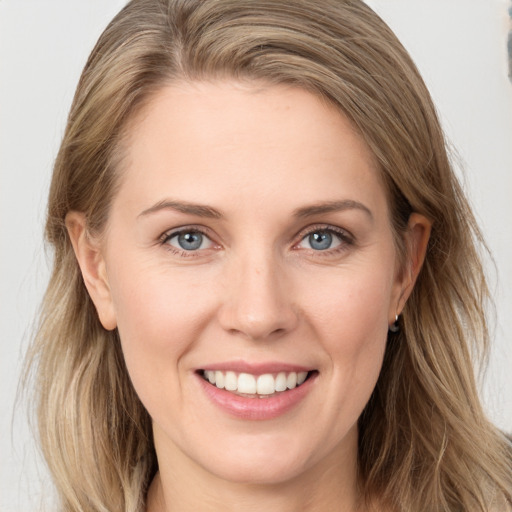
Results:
x,y
258,302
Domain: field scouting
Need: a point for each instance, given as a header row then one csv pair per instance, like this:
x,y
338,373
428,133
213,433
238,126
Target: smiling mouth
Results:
x,y
256,386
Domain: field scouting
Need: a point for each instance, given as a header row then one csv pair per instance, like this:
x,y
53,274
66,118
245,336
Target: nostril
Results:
x,y
256,306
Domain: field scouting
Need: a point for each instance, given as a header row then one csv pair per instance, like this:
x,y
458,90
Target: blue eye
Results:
x,y
189,240
321,240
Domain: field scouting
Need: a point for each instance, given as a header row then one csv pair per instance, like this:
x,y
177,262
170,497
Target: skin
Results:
x,y
256,290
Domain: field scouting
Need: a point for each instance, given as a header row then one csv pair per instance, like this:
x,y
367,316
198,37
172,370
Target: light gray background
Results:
x,y
459,46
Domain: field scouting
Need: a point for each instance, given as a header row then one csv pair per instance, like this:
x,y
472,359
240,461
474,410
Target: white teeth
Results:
x,y
231,382
301,377
247,384
281,382
219,379
291,380
265,385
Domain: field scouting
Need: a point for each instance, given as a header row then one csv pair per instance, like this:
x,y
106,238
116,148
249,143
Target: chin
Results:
x,y
270,472
259,459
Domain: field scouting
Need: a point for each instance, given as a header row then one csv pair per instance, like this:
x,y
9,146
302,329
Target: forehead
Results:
x,y
213,141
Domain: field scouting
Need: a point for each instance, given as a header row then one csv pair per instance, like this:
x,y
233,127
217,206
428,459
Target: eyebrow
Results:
x,y
200,210
331,206
183,207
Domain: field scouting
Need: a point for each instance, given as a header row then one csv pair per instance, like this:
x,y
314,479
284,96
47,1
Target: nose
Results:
x,y
258,302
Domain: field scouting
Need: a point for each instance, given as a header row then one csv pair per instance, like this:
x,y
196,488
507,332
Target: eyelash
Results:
x,y
346,239
168,235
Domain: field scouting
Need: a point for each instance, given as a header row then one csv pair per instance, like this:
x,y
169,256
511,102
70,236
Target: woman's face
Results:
x,y
249,245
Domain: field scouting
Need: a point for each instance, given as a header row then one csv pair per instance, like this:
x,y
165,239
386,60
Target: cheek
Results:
x,y
349,312
159,319
351,301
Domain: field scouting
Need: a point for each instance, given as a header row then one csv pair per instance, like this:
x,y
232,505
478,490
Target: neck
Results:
x,y
182,486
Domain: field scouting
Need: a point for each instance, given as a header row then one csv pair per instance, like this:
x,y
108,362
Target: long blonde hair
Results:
x,y
424,442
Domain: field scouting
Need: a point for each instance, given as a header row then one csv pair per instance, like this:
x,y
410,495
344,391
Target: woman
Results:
x,y
266,288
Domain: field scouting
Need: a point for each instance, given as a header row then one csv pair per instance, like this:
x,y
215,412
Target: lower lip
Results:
x,y
257,408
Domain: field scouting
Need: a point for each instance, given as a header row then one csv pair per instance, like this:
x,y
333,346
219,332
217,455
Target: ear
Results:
x,y
416,239
92,264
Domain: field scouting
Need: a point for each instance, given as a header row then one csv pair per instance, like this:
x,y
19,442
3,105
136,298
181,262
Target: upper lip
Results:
x,y
256,368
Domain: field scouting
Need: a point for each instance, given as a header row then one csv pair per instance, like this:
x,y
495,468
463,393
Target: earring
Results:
x,y
395,326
